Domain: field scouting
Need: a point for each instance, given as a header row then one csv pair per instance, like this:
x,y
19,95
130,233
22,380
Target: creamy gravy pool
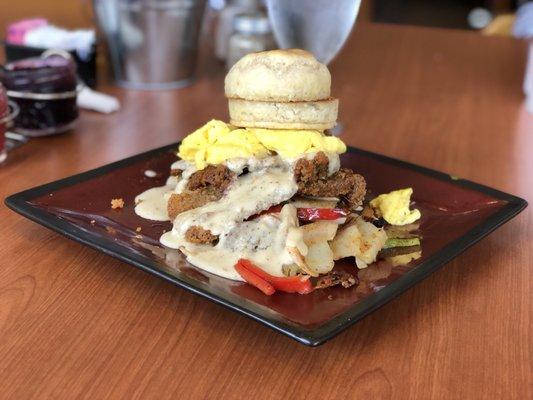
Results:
x,y
264,240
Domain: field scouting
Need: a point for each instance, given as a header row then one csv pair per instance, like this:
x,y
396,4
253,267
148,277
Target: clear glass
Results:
x,y
313,25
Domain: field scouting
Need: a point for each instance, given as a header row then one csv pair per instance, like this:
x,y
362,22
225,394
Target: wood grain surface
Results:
x,y
74,323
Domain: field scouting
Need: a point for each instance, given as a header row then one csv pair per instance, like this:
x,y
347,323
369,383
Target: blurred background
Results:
x,y
220,19
167,44
459,14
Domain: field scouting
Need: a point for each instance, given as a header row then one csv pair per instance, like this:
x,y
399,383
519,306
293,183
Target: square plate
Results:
x,y
455,214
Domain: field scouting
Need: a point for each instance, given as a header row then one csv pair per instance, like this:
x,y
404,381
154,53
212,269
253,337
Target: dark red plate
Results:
x,y
455,214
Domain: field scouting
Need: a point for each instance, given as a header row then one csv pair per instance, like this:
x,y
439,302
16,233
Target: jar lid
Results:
x,y
51,74
54,61
252,23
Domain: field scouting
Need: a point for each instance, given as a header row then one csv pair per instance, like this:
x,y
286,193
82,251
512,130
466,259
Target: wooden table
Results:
x,y
75,323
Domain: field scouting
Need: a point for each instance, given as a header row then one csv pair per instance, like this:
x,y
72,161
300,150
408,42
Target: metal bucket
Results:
x,y
153,44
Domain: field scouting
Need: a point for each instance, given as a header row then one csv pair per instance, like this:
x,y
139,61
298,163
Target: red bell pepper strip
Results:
x,y
293,284
255,280
310,214
314,214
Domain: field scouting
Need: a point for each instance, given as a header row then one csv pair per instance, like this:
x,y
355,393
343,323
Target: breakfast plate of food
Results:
x,y
269,214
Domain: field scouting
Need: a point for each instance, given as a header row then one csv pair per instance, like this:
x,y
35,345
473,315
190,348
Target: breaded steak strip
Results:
x,y
215,176
313,180
203,187
199,235
181,202
308,171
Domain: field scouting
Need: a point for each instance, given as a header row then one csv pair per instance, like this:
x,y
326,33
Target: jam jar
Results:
x,y
45,91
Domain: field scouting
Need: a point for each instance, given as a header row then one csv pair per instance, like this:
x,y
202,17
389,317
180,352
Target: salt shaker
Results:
x,y
251,33
225,23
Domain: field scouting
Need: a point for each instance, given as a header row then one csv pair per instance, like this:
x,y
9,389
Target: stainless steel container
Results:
x,y
153,44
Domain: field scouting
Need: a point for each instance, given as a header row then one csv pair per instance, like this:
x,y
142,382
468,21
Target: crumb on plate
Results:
x,y
117,203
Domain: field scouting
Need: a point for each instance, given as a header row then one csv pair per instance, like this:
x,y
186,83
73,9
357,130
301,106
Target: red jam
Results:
x,y
45,91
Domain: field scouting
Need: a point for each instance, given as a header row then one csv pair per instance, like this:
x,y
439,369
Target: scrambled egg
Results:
x,y
394,207
216,142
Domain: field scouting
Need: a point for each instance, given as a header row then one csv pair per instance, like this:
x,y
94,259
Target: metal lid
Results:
x,y
49,77
252,23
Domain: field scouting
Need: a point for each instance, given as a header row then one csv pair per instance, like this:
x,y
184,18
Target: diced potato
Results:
x,y
360,263
346,242
299,260
320,231
372,241
320,257
361,240
288,213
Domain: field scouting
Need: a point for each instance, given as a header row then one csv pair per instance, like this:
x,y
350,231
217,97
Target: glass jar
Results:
x,y
252,33
4,115
8,112
45,90
226,21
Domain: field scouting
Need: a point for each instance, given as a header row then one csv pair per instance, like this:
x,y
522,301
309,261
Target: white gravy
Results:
x,y
245,197
270,181
262,241
152,204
